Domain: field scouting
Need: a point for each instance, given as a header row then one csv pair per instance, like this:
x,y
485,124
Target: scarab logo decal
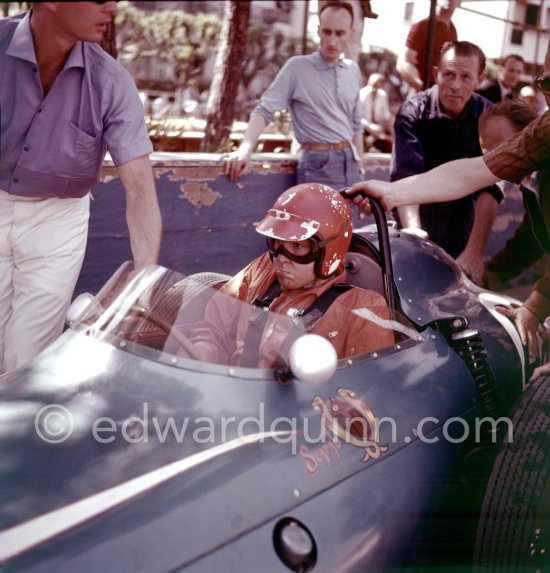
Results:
x,y
349,420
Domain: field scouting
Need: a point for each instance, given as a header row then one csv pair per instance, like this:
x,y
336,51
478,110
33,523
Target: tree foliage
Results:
x,y
227,75
109,40
7,7
181,40
266,52
256,56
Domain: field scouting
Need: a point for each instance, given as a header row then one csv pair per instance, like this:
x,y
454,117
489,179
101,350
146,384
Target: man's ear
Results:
x,y
49,6
435,71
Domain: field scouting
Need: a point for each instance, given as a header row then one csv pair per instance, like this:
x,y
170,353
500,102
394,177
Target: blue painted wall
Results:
x,y
209,220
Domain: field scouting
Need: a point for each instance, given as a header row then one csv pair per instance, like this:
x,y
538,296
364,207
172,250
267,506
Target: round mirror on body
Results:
x,y
313,359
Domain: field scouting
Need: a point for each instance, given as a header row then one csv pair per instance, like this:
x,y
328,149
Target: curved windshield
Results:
x,y
151,307
188,316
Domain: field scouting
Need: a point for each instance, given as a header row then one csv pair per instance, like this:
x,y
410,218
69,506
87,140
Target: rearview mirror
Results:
x,y
313,359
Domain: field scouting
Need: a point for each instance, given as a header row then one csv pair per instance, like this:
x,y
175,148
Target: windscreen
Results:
x,y
188,316
151,307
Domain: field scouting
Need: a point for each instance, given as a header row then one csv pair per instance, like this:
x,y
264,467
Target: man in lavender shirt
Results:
x,y
63,103
321,91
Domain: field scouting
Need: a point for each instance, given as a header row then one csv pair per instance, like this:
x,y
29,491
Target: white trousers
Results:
x,y
42,245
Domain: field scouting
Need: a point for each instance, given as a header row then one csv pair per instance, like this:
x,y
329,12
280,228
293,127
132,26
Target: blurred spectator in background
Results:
x,y
508,77
162,106
190,98
502,120
528,96
377,116
147,103
534,99
412,63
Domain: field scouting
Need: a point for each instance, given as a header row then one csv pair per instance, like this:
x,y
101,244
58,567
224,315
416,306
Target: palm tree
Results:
x,y
228,68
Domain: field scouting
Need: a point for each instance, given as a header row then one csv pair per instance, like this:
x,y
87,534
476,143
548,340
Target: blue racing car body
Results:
x,y
123,450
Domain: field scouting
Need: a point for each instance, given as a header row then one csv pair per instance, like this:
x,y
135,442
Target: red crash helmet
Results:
x,y
311,211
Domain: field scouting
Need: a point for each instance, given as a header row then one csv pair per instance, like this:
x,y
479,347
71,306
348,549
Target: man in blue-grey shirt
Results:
x,y
63,103
440,125
321,91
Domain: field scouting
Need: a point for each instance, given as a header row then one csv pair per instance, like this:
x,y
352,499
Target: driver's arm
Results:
x,y
214,338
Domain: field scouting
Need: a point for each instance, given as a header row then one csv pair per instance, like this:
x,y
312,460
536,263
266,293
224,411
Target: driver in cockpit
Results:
x,y
302,274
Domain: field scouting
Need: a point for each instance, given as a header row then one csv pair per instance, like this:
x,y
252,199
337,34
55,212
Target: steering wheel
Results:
x,y
155,318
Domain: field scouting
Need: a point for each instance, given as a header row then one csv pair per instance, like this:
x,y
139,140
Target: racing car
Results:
x,y
123,449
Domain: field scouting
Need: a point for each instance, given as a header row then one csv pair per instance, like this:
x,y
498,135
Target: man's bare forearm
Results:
x,y
447,182
142,209
485,214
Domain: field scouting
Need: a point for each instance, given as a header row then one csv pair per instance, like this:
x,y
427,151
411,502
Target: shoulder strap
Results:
x,y
314,312
269,296
321,304
258,318
256,325
327,298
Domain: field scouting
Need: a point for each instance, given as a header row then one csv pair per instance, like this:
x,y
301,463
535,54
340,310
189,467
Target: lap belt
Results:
x,y
325,146
258,318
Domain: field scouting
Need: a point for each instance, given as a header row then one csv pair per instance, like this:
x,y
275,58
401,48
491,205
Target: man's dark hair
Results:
x,y
519,114
513,57
464,50
335,4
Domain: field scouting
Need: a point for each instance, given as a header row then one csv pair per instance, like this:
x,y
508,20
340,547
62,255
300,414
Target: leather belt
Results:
x,y
325,146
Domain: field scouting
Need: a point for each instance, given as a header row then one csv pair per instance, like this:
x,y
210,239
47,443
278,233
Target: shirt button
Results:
x,y
40,110
26,148
15,180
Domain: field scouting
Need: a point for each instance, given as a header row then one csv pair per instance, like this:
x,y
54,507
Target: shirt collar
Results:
x,y
321,64
22,46
435,108
76,57
504,91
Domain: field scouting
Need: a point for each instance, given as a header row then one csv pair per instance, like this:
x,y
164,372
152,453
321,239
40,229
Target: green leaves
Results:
x,y
180,40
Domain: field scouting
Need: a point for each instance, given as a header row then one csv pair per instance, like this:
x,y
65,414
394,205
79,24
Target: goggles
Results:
x,y
543,83
301,252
